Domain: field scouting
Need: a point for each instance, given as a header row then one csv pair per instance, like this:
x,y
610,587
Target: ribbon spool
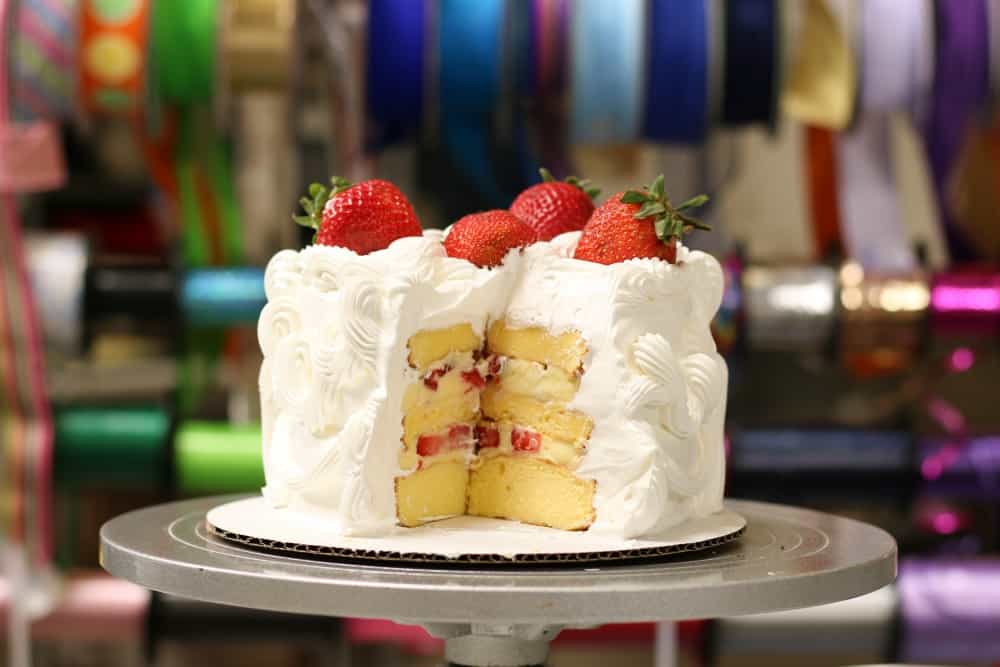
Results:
x,y
223,297
218,458
144,294
606,70
950,610
203,297
971,470
43,74
789,308
966,302
677,75
395,69
57,263
114,43
257,39
752,65
112,446
882,323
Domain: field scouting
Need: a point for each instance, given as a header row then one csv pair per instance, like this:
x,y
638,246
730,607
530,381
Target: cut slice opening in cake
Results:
x,y
487,430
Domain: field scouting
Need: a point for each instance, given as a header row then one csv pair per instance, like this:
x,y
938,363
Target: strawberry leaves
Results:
x,y
584,184
669,221
314,204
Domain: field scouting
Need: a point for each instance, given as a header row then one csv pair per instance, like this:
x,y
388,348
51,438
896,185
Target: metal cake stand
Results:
x,y
787,558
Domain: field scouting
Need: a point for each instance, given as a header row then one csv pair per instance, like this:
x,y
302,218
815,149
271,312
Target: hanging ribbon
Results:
x,y
822,173
44,66
606,60
676,107
961,86
469,61
516,165
188,159
395,69
890,82
751,63
822,80
550,43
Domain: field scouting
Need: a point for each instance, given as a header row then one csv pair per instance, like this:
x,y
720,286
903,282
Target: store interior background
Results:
x,y
851,150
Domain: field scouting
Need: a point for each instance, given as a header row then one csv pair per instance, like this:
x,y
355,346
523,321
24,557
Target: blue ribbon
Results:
x,y
677,76
606,47
751,80
395,68
469,88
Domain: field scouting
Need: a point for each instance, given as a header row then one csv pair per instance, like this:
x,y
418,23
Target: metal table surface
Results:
x,y
787,558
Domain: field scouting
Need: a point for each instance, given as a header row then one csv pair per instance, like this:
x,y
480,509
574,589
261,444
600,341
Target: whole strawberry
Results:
x,y
636,224
553,207
363,217
485,238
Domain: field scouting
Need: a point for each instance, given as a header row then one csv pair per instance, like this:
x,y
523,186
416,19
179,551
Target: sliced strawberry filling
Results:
x,y
488,436
458,436
474,379
431,381
525,440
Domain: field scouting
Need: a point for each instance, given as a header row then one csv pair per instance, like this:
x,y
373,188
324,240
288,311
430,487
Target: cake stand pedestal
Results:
x,y
787,558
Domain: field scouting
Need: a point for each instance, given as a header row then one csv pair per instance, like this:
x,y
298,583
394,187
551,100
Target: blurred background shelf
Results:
x,y
851,152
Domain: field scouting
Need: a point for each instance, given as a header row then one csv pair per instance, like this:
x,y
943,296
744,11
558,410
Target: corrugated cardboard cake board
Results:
x,y
466,539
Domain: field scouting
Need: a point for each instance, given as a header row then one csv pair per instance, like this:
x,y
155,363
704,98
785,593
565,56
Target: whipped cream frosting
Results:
x,y
334,336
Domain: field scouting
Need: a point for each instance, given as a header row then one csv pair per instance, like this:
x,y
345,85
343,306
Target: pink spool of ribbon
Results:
x,y
966,302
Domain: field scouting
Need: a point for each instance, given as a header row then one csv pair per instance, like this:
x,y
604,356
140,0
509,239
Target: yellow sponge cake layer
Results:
x,y
534,379
548,418
427,347
565,351
435,492
530,490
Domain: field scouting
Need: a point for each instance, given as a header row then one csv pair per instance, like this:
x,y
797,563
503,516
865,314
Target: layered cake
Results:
x,y
570,382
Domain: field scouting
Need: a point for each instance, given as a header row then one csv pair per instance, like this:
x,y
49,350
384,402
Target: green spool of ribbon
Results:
x,y
214,457
183,50
111,446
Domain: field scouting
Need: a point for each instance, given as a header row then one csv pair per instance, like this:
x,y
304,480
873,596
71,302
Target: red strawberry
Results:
x,y
485,238
525,440
552,207
637,224
474,379
363,217
488,436
458,436
431,381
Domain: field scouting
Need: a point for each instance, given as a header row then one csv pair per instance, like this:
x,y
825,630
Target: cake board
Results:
x,y
787,558
463,540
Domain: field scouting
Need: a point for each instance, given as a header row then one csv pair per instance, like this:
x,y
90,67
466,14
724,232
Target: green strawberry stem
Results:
x,y
314,204
669,221
582,183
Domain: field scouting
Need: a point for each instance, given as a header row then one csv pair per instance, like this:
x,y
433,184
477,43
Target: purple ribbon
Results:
x,y
951,610
961,87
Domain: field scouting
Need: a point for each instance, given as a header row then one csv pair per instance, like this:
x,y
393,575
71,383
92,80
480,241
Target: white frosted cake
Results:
x,y
404,386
